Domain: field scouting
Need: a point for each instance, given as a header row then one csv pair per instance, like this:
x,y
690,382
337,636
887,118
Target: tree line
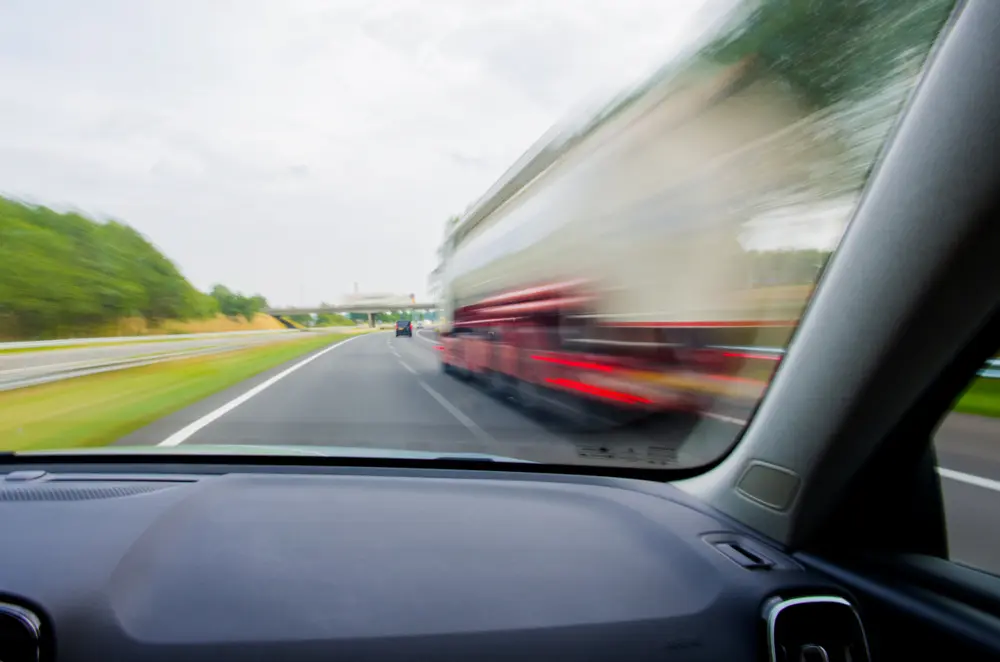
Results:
x,y
64,275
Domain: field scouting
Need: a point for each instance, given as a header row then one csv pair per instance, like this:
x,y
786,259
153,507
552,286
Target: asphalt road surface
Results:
x,y
378,391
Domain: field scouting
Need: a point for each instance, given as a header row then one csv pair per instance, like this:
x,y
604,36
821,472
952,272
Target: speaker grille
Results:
x,y
56,492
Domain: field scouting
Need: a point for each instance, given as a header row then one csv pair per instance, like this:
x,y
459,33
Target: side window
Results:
x,y
968,450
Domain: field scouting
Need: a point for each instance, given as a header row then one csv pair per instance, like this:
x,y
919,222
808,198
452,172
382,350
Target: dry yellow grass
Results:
x,y
138,326
220,323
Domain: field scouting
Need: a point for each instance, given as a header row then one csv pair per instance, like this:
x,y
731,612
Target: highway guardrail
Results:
x,y
32,375
41,344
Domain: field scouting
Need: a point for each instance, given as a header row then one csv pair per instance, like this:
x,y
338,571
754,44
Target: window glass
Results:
x,y
670,176
968,451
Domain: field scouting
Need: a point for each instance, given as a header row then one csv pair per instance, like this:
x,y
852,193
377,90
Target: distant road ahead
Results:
x,y
380,391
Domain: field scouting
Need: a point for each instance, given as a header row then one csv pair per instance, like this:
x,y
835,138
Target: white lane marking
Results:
x,y
421,355
726,419
454,411
969,479
407,366
185,432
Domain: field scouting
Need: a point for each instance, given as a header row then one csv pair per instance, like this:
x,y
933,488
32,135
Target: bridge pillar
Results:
x,y
371,320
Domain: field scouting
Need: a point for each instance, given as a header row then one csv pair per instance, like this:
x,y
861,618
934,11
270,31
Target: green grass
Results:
x,y
982,397
97,410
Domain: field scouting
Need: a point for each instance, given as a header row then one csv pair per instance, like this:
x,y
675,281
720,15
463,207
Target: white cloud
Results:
x,y
293,147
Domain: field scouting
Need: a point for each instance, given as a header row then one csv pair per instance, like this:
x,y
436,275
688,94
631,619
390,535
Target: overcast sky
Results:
x,y
293,147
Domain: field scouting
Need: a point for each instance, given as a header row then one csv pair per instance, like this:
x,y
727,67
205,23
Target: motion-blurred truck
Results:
x,y
616,269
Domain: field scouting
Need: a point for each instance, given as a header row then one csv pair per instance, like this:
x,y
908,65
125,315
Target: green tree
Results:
x,y
62,274
234,304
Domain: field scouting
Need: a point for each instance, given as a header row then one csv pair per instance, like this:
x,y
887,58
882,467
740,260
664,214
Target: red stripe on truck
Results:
x,y
705,325
586,365
605,393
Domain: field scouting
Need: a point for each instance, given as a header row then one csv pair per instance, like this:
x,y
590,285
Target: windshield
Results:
x,y
614,216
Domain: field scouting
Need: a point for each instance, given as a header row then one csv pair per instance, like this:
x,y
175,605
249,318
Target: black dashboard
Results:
x,y
212,562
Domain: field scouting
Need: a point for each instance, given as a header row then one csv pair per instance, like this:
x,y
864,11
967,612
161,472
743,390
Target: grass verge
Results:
x,y
98,409
982,398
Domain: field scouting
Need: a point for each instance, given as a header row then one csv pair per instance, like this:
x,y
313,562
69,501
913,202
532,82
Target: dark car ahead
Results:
x,y
404,328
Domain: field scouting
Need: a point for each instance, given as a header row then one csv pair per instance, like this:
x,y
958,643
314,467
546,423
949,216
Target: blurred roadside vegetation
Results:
x,y
322,319
64,275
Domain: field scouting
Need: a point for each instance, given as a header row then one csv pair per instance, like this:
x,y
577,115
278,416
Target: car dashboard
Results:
x,y
228,562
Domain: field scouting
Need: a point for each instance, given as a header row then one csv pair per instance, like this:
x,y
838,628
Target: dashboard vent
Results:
x,y
20,634
743,555
55,492
822,628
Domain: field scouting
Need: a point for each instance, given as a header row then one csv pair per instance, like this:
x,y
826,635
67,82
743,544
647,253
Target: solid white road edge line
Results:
x,y
185,432
482,434
969,479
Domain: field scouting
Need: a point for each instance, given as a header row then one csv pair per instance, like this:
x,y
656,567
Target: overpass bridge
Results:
x,y
351,308
368,307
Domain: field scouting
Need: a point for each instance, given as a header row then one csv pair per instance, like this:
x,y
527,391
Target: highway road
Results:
x,y
378,391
